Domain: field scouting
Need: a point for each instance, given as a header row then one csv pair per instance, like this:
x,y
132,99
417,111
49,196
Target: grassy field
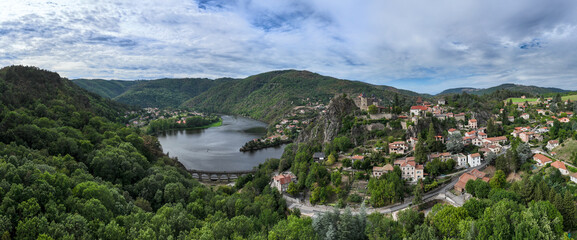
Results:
x,y
571,97
565,150
519,100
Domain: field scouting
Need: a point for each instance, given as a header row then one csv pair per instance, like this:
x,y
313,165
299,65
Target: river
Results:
x,y
217,148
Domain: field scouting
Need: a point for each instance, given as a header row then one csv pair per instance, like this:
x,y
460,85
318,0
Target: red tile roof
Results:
x,y
559,165
422,108
283,179
542,158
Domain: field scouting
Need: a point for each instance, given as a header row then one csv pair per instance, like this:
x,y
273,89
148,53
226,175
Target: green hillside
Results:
x,y
105,88
522,89
168,92
66,172
268,95
30,87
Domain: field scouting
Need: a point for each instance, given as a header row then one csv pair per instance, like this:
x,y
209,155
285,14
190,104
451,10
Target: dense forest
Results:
x,y
70,169
160,93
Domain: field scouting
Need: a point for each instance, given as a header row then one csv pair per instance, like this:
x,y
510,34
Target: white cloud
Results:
x,y
420,45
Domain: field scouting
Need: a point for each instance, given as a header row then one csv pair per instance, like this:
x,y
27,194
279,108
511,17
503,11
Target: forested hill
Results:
x,y
105,88
268,95
66,172
30,87
506,86
168,92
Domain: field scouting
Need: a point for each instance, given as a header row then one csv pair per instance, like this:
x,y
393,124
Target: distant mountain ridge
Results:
x,y
505,86
162,93
278,90
268,95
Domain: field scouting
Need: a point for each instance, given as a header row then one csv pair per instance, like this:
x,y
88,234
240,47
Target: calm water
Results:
x,y
217,148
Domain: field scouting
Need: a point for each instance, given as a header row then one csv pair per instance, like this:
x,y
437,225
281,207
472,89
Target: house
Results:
x,y
525,116
552,144
468,140
511,118
442,156
357,158
282,181
412,141
411,170
495,148
574,177
471,134
477,142
471,175
461,160
398,147
440,139
495,140
481,135
452,131
379,171
541,111
527,136
417,110
460,116
319,157
474,159
541,159
561,166
472,123
441,101
564,120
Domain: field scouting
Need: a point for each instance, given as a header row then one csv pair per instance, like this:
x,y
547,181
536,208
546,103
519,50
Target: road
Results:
x,y
312,211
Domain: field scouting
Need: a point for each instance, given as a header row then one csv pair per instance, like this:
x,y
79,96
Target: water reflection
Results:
x,y
217,148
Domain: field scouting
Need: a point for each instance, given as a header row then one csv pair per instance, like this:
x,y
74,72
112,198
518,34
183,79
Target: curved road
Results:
x,y
314,210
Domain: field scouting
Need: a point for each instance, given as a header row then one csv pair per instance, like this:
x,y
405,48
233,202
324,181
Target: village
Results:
x,y
144,116
469,150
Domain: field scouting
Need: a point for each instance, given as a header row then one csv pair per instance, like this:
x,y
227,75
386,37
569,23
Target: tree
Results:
x,y
418,193
482,189
409,219
431,137
420,152
498,180
569,211
447,219
455,144
373,109
490,157
331,159
293,228
524,152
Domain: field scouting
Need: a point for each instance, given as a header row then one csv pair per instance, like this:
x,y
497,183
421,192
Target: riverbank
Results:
x,y
196,122
258,144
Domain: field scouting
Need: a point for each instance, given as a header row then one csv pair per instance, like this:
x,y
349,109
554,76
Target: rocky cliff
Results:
x,y
328,124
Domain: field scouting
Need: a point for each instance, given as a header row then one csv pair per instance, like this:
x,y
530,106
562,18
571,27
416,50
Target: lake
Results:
x,y
217,148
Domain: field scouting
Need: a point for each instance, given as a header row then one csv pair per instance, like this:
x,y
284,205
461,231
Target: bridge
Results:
x,y
202,175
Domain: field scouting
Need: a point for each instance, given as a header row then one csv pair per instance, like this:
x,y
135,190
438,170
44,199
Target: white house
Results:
x,y
541,159
552,144
282,181
474,159
561,166
461,160
574,177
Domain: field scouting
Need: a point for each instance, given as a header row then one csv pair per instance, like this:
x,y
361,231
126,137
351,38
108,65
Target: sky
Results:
x,y
420,45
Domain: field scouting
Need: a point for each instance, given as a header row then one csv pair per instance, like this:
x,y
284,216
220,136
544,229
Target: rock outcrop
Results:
x,y
327,125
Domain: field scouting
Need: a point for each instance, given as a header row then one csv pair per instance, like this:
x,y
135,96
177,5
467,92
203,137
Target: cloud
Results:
x,y
417,45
